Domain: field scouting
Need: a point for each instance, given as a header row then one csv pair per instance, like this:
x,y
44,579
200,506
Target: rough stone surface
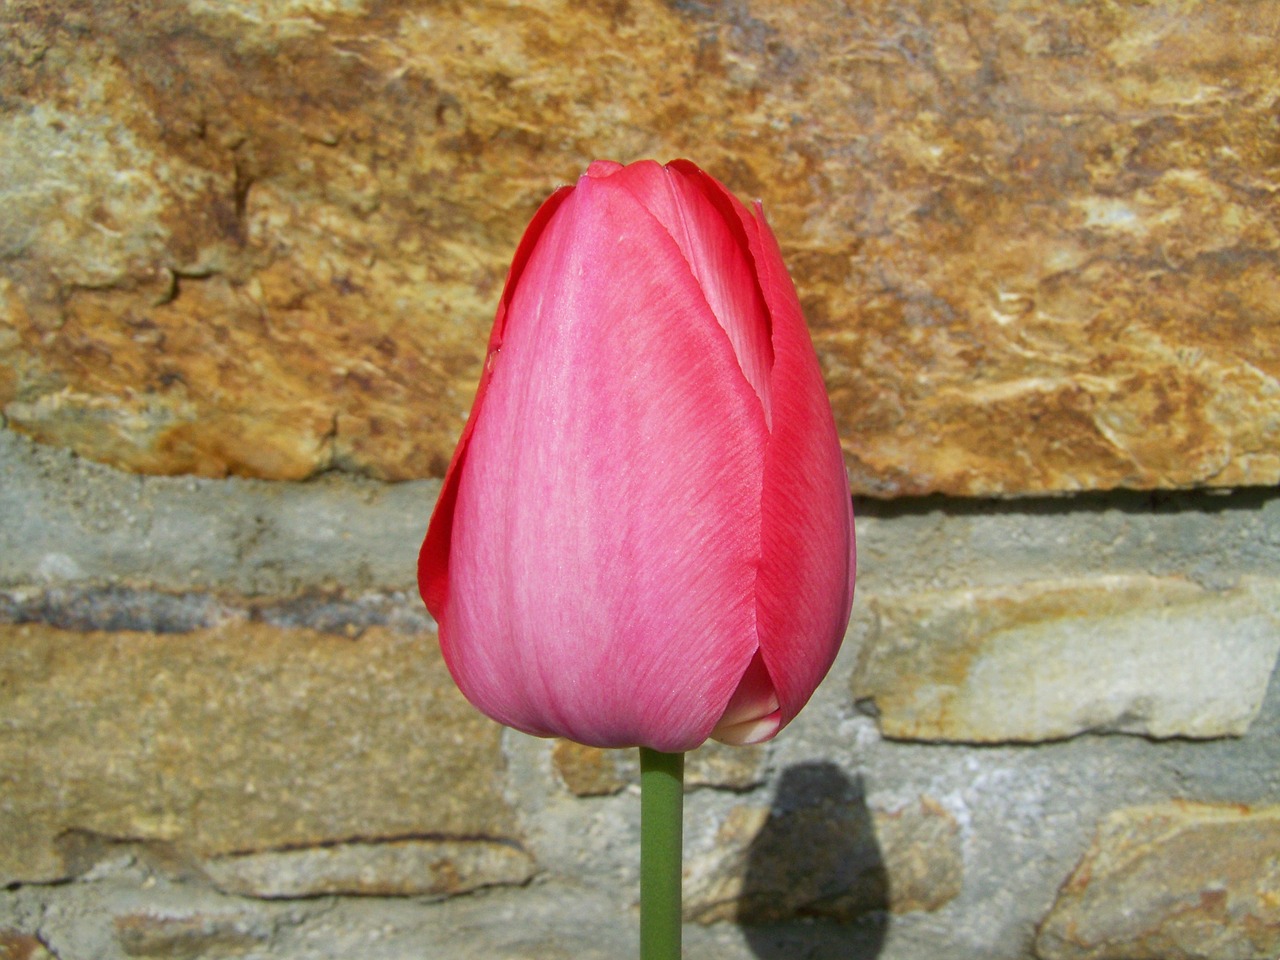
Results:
x,y
1161,657
592,772
187,936
186,561
539,922
70,522
1036,242
1172,882
924,865
234,739
67,520
398,868
835,859
724,767
15,945
587,771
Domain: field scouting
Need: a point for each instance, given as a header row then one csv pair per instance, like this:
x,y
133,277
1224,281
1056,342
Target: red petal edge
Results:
x,y
433,558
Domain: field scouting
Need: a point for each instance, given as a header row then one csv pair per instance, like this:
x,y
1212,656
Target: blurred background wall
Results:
x,y
249,254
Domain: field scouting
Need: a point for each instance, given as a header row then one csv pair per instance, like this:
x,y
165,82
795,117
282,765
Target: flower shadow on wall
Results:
x,y
816,885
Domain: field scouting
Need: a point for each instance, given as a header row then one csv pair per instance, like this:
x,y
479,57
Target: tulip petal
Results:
x,y
433,557
604,168
716,248
744,734
805,587
604,535
752,714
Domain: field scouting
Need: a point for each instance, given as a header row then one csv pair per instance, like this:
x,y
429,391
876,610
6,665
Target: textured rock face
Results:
x,y
830,858
170,642
21,946
396,868
592,772
1037,243
1155,656
186,935
1175,882
241,739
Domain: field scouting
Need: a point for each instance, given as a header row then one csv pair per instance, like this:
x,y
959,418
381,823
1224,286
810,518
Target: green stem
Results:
x,y
661,836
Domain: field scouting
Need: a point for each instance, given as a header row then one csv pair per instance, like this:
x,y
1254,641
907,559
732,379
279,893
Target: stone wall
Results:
x,y
228,732
249,251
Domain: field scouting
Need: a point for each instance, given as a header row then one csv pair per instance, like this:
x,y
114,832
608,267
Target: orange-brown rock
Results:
x,y
592,772
1179,881
244,738
1037,242
21,946
587,771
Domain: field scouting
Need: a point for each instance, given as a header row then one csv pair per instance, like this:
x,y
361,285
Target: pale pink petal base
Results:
x,y
752,715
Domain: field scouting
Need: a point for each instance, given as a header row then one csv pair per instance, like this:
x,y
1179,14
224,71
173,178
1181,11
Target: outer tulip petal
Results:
x,y
716,248
606,530
433,557
808,559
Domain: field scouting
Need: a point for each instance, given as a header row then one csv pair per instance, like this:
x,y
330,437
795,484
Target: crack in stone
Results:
x,y
374,840
116,608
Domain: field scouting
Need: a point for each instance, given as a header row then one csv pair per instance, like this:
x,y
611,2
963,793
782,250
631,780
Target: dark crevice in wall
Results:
x,y
114,608
1147,502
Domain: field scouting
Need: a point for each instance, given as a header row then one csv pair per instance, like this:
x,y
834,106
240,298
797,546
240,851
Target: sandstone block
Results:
x,y
920,844
1177,881
187,936
1160,657
592,772
1036,244
15,945
234,739
588,771
725,768
395,868
833,858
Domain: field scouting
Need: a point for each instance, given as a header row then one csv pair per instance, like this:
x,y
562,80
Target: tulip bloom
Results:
x,y
645,537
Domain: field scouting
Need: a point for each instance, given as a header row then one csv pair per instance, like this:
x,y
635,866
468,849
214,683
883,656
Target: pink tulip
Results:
x,y
645,537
